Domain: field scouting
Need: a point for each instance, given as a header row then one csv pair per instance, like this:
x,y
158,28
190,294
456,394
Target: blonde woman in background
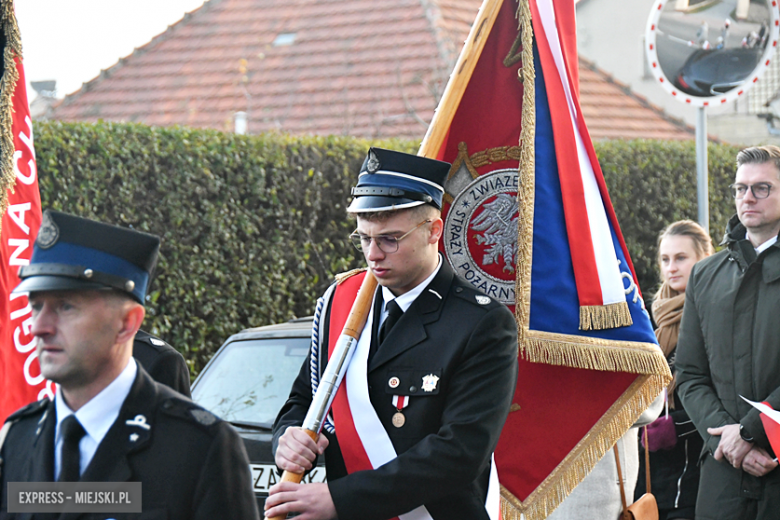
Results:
x,y
673,441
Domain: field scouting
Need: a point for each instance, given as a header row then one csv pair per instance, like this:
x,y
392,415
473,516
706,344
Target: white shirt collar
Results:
x,y
406,299
766,245
101,411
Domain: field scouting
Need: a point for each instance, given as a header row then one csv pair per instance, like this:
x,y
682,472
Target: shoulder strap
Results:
x,y
620,480
647,461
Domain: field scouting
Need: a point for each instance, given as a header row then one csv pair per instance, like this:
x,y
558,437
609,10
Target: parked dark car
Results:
x,y
712,72
247,382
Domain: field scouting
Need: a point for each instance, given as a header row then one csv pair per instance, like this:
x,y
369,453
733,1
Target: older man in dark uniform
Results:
x,y
109,421
429,386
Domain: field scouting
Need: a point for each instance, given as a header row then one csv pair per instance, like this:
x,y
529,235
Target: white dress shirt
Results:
x,y
406,299
96,417
766,245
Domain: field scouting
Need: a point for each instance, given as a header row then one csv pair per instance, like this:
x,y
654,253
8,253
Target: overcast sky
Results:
x,y
72,40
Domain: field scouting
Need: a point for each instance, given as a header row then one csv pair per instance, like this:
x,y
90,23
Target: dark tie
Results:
x,y
394,313
72,432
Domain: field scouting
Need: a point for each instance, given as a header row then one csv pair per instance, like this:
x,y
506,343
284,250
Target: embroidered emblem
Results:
x,y
203,417
157,342
482,300
481,233
429,382
133,437
394,382
48,233
373,163
139,421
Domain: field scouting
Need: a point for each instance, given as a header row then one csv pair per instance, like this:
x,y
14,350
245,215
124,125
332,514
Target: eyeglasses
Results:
x,y
760,190
386,243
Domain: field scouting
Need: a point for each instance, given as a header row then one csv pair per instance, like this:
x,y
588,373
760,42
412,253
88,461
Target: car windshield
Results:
x,y
249,381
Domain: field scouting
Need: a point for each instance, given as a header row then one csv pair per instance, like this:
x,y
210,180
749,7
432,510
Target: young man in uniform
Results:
x,y
109,421
429,386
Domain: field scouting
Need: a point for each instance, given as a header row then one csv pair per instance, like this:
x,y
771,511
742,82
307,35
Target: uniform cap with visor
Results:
x,y
73,253
391,180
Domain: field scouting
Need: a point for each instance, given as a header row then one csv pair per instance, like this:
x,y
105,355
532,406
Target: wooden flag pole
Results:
x,y
459,79
337,367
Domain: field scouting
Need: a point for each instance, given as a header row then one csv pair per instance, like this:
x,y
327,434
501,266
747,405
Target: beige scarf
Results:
x,y
667,311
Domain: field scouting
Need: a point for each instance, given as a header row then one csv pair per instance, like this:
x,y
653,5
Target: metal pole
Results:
x,y
702,191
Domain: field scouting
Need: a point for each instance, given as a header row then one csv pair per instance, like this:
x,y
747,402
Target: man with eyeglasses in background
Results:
x,y
431,381
729,348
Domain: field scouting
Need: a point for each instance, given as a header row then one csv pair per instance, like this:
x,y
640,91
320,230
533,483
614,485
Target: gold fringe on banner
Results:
x,y
595,354
580,461
599,317
13,49
527,186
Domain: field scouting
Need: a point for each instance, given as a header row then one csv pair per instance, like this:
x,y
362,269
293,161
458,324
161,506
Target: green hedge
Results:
x,y
254,227
653,183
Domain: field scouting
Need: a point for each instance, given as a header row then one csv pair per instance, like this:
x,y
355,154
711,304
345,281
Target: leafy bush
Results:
x,y
254,227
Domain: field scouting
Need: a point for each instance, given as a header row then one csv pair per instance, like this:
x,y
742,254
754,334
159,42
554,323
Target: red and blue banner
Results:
x,y
528,220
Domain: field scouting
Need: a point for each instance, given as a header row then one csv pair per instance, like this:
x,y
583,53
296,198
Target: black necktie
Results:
x,y
72,432
394,313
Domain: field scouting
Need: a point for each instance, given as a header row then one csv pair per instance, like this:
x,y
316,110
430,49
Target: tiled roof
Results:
x,y
613,111
355,67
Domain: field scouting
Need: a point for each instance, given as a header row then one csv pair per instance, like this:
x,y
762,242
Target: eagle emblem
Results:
x,y
373,163
48,232
498,220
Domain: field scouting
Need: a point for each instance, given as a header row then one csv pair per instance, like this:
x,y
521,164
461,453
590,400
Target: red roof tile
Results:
x,y
357,67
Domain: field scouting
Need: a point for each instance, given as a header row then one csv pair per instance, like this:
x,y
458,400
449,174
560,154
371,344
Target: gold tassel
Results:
x,y
600,317
10,76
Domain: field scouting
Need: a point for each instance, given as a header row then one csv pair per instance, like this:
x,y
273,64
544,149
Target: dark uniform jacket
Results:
x,y
191,464
445,446
729,346
163,362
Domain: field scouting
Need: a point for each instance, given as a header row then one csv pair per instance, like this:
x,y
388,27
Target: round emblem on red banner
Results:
x,y
480,234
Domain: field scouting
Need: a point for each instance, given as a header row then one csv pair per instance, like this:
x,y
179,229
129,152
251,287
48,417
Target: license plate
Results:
x,y
264,476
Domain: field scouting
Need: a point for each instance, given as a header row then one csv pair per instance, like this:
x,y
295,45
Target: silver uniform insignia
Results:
x,y
139,421
203,417
133,437
157,342
373,163
483,300
48,233
429,382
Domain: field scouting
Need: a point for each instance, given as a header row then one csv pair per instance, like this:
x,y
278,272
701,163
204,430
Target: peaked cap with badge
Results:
x,y
74,253
391,180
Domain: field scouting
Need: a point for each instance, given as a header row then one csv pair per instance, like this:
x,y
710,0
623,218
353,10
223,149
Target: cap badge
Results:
x,y
48,233
482,300
429,382
373,163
